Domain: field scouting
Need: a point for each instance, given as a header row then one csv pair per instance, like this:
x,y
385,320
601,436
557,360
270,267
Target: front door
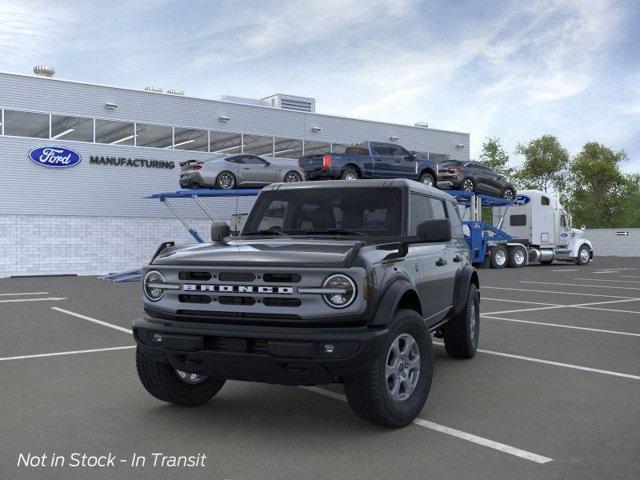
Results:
x,y
257,171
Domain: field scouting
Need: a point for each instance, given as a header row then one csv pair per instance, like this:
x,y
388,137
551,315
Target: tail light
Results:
x,y
326,161
197,167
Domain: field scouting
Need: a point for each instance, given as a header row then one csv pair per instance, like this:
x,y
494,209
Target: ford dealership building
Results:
x,y
78,159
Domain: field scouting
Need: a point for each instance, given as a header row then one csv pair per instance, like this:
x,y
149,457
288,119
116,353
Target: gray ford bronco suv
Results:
x,y
334,281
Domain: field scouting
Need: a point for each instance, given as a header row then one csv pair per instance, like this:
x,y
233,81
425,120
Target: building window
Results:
x,y
222,142
312,147
72,128
114,133
26,124
287,148
257,145
157,136
190,139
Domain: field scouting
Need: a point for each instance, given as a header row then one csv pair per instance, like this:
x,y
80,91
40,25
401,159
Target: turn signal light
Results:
x,y
326,161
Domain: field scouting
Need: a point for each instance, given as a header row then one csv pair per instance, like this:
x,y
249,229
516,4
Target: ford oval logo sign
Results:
x,y
55,157
522,200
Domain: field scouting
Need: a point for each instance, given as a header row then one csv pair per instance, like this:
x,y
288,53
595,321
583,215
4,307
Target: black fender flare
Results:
x,y
388,303
465,277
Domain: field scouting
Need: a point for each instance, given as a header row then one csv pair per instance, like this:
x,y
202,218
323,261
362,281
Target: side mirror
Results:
x,y
267,163
583,227
435,230
410,156
219,230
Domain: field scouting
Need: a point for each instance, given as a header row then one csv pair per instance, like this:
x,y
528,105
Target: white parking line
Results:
x,y
629,276
567,270
576,305
94,320
519,301
606,280
23,293
581,285
556,364
559,325
469,437
47,299
529,290
72,352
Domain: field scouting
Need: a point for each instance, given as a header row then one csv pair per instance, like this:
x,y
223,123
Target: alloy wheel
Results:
x,y
402,367
467,185
293,177
226,180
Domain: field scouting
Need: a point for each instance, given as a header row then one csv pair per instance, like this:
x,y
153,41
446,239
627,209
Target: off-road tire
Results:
x,y
513,260
349,171
462,332
368,394
496,259
161,380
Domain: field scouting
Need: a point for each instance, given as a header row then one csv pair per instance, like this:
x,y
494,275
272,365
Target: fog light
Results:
x,y
328,348
156,338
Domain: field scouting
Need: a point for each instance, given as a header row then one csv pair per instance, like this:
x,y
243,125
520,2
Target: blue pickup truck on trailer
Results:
x,y
370,160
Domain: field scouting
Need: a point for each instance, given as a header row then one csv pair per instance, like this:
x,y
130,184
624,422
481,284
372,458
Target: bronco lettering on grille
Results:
x,y
190,287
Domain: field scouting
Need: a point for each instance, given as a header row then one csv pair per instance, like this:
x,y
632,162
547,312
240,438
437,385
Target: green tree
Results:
x,y
495,156
545,164
600,193
632,214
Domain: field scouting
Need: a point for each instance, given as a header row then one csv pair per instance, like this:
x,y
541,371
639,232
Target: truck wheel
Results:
x,y
498,257
583,255
392,390
350,173
169,385
428,180
462,332
517,257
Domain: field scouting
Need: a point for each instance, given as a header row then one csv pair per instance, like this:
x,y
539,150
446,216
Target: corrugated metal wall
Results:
x,y
614,242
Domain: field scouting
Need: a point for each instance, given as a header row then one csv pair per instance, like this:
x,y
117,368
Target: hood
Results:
x,y
285,252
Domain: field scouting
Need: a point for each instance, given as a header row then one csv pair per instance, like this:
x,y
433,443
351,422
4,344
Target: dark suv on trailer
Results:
x,y
474,177
327,282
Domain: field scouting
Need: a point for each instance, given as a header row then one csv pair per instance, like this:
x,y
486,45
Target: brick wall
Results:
x,y
46,245
609,243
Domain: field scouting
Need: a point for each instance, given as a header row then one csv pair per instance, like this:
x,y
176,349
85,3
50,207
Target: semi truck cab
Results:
x,y
540,222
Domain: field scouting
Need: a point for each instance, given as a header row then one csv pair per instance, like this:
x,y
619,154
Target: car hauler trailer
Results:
x,y
540,222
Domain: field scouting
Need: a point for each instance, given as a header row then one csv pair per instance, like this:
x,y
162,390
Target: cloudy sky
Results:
x,y
514,70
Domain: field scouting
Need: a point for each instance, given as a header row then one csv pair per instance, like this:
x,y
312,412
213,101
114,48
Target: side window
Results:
x,y
234,160
251,160
381,150
437,208
397,151
456,222
563,221
545,200
420,211
517,220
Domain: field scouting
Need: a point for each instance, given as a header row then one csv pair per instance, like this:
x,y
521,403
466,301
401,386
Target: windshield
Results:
x,y
327,211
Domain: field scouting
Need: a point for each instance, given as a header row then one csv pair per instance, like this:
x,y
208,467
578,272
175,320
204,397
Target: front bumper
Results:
x,y
287,356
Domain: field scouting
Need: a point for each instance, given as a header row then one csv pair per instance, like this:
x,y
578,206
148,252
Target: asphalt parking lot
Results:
x,y
552,393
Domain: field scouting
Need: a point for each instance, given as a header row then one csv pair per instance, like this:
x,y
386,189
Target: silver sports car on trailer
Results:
x,y
238,170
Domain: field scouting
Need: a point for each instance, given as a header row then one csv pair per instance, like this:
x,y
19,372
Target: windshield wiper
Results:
x,y
267,232
333,231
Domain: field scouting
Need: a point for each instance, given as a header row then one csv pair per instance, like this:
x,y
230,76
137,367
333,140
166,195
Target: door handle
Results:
x,y
441,262
457,259
246,168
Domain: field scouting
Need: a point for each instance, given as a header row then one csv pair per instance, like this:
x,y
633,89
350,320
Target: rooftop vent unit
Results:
x,y
175,91
153,88
292,102
244,100
44,71
422,124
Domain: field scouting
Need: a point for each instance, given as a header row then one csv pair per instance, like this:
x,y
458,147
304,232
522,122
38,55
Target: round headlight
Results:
x,y
344,291
151,280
